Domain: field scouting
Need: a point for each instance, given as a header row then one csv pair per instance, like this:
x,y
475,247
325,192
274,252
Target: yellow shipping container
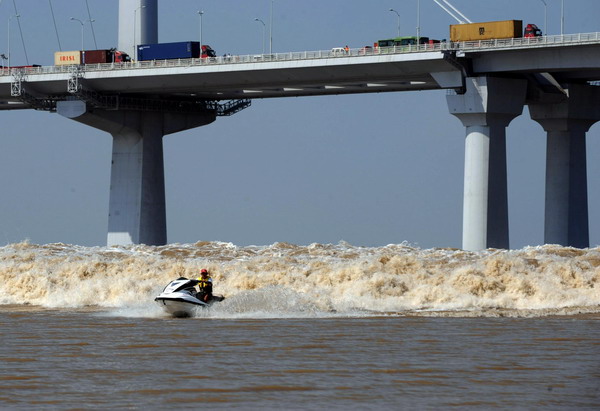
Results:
x,y
63,58
506,29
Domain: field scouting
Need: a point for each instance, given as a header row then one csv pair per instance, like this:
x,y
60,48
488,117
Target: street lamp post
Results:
x,y
9,19
271,31
134,29
545,17
80,22
263,34
201,13
418,21
397,14
562,17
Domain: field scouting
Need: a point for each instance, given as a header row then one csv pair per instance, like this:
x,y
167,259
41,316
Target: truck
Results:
x,y
178,50
65,58
506,29
531,30
489,30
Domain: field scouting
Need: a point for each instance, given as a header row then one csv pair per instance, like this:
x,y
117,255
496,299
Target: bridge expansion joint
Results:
x,y
465,70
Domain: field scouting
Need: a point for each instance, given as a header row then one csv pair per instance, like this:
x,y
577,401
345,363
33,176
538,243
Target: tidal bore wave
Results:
x,y
316,280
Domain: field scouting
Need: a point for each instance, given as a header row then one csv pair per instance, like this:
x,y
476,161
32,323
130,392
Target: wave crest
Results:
x,y
341,278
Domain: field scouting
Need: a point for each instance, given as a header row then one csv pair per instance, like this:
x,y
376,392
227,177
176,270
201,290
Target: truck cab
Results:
x,y
121,57
207,52
531,30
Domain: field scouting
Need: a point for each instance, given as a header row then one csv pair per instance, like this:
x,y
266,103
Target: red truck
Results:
x,y
104,56
531,30
207,52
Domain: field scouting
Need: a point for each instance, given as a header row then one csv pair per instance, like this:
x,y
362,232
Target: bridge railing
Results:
x,y
528,42
524,42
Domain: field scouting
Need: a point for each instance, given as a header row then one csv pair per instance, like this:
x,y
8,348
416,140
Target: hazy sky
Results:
x,y
370,169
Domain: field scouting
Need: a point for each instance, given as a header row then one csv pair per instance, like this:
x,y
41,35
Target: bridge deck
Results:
x,y
320,72
466,47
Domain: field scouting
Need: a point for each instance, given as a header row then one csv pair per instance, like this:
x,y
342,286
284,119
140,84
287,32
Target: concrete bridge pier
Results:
x,y
566,121
487,107
137,211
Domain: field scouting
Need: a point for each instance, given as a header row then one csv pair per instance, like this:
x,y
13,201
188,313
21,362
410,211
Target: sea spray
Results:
x,y
308,280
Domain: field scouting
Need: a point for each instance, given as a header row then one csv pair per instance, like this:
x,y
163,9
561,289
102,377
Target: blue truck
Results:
x,y
179,50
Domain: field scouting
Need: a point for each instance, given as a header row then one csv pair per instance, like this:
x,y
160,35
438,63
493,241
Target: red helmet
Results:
x,y
204,271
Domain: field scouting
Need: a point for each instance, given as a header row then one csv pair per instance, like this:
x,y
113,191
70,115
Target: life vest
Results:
x,y
205,284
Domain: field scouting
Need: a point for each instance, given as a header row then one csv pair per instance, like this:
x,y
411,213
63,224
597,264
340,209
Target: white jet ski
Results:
x,y
179,298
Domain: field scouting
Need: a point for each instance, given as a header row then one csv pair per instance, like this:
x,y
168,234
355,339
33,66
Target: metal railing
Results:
x,y
482,45
529,42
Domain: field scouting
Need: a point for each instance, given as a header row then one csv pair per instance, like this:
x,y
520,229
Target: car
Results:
x,y
338,51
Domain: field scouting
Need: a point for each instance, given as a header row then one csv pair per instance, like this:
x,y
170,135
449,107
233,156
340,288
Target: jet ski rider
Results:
x,y
205,292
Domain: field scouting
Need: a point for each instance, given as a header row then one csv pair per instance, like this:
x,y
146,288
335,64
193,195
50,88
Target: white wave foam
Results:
x,y
304,281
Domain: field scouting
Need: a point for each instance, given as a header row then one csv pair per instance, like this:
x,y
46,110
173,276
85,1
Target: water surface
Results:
x,y
70,359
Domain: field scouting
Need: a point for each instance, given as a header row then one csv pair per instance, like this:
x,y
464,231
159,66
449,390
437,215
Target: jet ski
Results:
x,y
179,298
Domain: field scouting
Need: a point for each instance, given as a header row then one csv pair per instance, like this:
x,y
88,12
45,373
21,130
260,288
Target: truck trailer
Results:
x,y
178,50
506,29
66,58
104,56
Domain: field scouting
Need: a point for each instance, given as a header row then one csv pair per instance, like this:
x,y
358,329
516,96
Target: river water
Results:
x,y
302,327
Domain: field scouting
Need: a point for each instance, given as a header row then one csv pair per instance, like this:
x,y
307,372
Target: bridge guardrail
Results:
x,y
530,42
482,45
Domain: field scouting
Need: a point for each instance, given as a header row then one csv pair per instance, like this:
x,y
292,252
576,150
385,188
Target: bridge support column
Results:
x,y
566,123
137,211
487,107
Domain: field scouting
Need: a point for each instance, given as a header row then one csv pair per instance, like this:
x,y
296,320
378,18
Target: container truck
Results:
x,y
104,56
179,50
63,58
506,29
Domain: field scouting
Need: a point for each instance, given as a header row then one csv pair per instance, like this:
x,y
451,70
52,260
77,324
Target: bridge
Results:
x,y
293,74
488,84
